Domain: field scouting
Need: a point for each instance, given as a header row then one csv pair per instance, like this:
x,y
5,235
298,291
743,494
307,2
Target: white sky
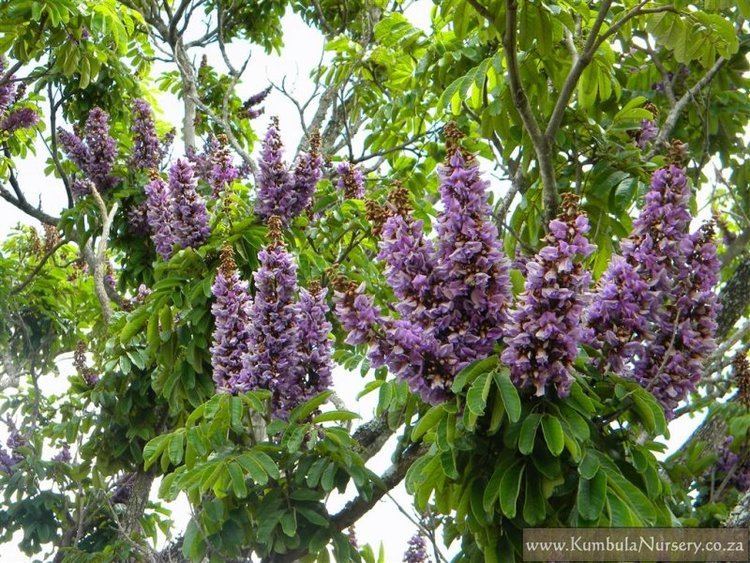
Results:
x,y
300,54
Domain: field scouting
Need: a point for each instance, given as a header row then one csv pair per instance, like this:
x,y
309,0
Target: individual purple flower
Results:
x,y
275,188
416,552
646,133
160,216
472,287
351,181
307,174
231,337
273,361
22,118
147,150
546,329
189,215
222,172
102,150
732,467
314,341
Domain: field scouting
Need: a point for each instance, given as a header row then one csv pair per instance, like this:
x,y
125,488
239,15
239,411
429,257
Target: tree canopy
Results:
x,y
524,228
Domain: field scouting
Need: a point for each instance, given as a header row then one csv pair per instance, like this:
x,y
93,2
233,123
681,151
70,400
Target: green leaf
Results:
x,y
249,461
589,466
448,462
534,505
472,371
428,421
528,433
553,434
510,488
592,494
306,409
192,543
508,394
476,398
176,447
238,480
340,416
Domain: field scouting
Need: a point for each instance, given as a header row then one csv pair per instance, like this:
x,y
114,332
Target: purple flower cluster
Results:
x,y
189,215
137,216
646,133
222,172
250,109
159,215
547,328
351,181
7,90
416,551
94,153
733,468
22,118
277,341
176,213
147,149
14,118
314,344
88,374
684,325
231,311
63,456
281,192
453,293
655,311
16,441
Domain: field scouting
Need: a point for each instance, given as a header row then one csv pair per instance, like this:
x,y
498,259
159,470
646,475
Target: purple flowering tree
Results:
x,y
512,319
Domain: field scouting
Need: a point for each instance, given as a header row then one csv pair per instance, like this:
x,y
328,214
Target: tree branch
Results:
x,y
539,140
674,114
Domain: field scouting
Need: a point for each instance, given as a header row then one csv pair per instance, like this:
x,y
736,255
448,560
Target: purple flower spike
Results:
x,y
102,150
453,293
546,327
231,338
315,344
188,207
351,181
273,361
160,216
147,150
23,118
472,283
275,193
223,172
307,174
416,552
